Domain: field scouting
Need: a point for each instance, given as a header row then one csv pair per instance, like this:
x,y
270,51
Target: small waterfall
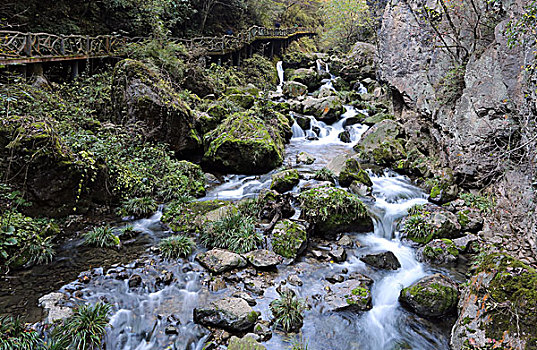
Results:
x,y
279,67
297,130
362,89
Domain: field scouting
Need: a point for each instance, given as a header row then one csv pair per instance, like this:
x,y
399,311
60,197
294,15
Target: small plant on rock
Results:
x,y
102,237
15,336
41,251
176,246
288,311
138,207
235,232
324,174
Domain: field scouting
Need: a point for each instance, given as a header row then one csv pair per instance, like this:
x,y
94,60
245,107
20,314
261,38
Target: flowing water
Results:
x,y
158,315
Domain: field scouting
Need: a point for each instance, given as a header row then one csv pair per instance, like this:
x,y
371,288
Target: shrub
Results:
x,y
176,246
235,232
102,237
15,336
138,207
85,329
288,311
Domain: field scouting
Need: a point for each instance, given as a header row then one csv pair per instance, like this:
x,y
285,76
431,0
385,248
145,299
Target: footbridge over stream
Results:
x,y
17,48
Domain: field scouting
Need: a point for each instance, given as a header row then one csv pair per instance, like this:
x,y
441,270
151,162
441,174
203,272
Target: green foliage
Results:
x,y
288,311
298,345
416,226
185,216
138,207
102,236
252,206
24,240
324,174
484,204
344,22
85,329
235,232
451,86
176,246
15,336
325,203
259,71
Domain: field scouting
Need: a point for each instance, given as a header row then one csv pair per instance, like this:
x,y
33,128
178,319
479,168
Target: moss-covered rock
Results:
x,y
140,95
245,343
352,171
308,77
294,89
351,295
289,238
377,118
243,144
190,217
382,144
431,296
499,306
285,180
327,109
439,252
429,222
245,101
334,210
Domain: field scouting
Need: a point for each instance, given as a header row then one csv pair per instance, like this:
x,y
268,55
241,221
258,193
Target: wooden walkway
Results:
x,y
18,48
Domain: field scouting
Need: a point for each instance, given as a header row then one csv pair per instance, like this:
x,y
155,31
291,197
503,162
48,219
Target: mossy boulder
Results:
x,y
382,144
243,144
232,314
307,76
499,306
333,210
439,252
38,162
327,109
289,238
245,343
294,89
140,95
377,118
431,296
190,217
359,63
285,180
350,295
245,101
429,222
352,171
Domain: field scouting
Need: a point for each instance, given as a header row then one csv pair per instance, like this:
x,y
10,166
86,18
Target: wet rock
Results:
x,y
289,238
319,254
135,281
337,278
263,259
439,252
308,77
247,297
333,210
166,278
338,254
498,306
171,330
429,222
360,189
294,89
246,343
382,144
352,171
384,260
217,284
262,329
354,295
345,241
140,95
470,219
219,260
294,280
285,180
303,121
345,136
53,306
327,109
232,314
305,158
431,296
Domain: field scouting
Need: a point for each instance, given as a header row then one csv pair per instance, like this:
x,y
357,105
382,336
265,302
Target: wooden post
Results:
x,y
74,70
28,45
62,47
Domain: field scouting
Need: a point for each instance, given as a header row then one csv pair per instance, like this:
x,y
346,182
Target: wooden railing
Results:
x,y
21,48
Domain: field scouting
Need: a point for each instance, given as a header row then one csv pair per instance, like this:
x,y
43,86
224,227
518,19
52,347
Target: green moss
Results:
x,y
253,316
285,181
186,217
462,217
360,291
434,292
287,239
354,172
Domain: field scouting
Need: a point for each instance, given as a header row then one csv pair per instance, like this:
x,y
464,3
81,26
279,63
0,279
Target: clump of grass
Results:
x,y
324,174
15,336
235,232
138,207
176,246
288,311
416,227
41,251
85,329
102,237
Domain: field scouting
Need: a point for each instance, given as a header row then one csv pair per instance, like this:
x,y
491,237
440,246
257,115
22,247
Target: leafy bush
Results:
x,y
235,232
288,311
176,246
138,207
102,237
85,329
15,336
482,203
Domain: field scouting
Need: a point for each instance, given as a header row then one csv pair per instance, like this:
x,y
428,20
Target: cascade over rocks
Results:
x,y
431,296
140,95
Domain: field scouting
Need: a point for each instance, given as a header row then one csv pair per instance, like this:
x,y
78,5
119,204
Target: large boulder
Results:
x,y
439,252
353,295
359,63
243,144
326,109
384,260
431,296
232,314
333,210
220,260
307,76
429,222
294,89
289,238
382,144
141,96
352,171
263,259
285,180
498,306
